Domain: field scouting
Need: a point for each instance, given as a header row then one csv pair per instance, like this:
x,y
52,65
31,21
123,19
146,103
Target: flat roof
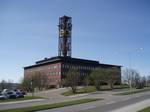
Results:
x,y
46,61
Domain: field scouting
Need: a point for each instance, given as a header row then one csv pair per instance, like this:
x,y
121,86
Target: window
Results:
x,y
59,66
63,66
55,66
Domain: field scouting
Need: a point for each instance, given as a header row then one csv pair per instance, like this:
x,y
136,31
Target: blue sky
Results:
x,y
104,30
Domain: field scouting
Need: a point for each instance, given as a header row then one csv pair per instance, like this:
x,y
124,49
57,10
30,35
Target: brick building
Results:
x,y
57,67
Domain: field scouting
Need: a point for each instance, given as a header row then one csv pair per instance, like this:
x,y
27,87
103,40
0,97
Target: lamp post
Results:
x,y
130,72
32,89
129,53
130,65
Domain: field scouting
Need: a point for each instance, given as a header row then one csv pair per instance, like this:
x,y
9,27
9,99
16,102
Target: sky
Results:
x,y
110,31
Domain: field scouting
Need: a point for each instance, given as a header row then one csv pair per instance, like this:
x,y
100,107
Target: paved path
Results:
x,y
16,102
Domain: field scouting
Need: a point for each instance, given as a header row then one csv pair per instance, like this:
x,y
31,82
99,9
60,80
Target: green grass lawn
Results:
x,y
89,89
134,91
20,99
50,106
145,110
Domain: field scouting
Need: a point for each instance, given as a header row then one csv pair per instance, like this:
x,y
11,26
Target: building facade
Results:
x,y
56,68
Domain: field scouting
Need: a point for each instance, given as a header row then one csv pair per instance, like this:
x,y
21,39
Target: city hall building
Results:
x,y
57,67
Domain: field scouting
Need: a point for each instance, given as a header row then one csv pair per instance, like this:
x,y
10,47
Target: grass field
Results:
x,y
145,110
89,89
50,106
134,91
20,99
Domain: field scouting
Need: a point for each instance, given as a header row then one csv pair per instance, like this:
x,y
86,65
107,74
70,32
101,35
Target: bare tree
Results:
x,y
107,75
36,80
137,79
126,76
112,76
98,77
143,81
26,84
6,84
148,80
130,77
40,80
72,79
86,80
3,84
94,77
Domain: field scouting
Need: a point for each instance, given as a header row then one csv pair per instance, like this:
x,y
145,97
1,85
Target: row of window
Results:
x,y
54,73
81,73
35,70
72,66
54,80
78,67
63,73
54,66
66,66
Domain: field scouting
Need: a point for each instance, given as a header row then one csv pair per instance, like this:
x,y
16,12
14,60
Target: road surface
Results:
x,y
130,103
111,102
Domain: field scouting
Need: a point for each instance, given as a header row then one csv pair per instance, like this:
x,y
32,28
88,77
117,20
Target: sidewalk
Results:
x,y
15,102
134,107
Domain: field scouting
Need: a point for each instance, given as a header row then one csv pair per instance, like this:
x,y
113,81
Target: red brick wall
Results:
x,y
52,70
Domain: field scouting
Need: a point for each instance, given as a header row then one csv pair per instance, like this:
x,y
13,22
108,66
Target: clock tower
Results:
x,y
64,42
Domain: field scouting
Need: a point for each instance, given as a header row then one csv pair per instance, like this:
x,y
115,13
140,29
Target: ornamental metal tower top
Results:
x,y
64,44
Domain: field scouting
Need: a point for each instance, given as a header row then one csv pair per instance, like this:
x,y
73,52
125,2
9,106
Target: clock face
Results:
x,y
64,33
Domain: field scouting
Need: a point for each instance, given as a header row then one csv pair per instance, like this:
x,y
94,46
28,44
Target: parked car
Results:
x,y
23,92
12,94
19,95
5,90
2,96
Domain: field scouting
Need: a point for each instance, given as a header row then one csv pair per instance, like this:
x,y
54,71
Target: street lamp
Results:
x,y
130,65
129,53
32,89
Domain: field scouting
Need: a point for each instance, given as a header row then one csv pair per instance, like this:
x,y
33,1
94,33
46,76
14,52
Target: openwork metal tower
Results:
x,y
64,45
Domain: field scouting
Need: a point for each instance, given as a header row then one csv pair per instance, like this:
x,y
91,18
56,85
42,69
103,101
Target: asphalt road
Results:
x,y
108,105
116,105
